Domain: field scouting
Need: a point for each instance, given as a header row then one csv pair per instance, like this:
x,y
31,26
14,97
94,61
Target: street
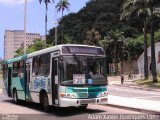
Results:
x,y
31,111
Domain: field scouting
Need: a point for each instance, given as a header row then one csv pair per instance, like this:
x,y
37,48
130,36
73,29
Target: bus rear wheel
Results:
x,y
15,96
45,102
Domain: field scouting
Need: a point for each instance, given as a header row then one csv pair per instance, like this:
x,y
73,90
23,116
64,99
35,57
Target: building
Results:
x,y
13,39
141,59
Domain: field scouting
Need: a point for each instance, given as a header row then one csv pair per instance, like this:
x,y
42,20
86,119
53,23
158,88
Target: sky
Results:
x,y
12,16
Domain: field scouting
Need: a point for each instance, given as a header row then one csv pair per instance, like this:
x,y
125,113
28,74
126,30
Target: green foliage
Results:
x,y
148,83
104,16
38,45
92,37
136,45
62,5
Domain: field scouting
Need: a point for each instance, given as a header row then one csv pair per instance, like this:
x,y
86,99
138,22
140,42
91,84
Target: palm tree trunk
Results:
x,y
122,70
115,58
153,59
62,27
145,52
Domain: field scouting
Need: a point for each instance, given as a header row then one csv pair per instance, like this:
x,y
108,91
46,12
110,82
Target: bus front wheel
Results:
x,y
15,96
45,102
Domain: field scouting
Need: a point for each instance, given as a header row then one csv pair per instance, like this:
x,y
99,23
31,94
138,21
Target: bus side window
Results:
x,y
20,69
15,69
35,67
44,69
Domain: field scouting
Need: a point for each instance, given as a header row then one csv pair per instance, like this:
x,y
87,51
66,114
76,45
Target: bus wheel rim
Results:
x,y
15,96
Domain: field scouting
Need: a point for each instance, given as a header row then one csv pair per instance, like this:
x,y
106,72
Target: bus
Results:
x,y
63,75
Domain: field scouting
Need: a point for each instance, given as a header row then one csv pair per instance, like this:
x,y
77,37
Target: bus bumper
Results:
x,y
68,102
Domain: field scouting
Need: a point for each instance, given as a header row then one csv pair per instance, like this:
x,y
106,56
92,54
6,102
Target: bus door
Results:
x,y
9,80
27,80
54,79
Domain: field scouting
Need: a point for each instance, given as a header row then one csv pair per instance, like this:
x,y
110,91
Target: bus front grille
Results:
x,y
82,95
80,90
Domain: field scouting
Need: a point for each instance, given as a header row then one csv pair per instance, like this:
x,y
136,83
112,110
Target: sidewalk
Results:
x,y
144,105
140,104
129,83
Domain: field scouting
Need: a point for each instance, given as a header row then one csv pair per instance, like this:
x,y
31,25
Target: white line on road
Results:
x,y
148,97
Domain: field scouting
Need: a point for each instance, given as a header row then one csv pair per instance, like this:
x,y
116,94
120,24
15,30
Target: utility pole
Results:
x,y
25,17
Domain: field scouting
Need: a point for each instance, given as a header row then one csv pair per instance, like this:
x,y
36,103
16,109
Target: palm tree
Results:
x,y
152,4
46,4
92,37
61,6
113,41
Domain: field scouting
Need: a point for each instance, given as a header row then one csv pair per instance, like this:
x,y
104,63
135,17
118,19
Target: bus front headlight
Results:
x,y
103,94
67,95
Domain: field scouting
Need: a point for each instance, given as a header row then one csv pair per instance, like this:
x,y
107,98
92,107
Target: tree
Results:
x,y
46,4
103,15
145,8
152,4
61,6
114,43
37,45
92,37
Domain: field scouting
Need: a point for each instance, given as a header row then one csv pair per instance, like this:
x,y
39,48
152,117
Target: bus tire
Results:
x,y
83,107
15,96
45,102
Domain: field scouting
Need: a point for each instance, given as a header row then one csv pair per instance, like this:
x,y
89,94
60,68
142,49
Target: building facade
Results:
x,y
13,39
141,59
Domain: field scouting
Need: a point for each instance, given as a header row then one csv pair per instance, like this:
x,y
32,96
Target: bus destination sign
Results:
x,y
82,50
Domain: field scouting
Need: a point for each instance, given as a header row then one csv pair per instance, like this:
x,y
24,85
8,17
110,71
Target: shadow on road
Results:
x,y
56,111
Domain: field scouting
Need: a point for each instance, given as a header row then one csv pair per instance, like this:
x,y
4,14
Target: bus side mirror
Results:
x,y
60,64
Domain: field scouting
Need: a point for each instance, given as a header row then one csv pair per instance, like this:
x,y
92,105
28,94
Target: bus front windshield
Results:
x,y
84,70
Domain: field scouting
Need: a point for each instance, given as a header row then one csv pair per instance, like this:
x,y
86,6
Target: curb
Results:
x,y
135,109
135,87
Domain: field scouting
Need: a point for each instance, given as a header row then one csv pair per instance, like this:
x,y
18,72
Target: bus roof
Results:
x,y
56,48
43,51
15,59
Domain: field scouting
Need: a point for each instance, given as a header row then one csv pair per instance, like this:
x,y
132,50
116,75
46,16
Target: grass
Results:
x,y
149,83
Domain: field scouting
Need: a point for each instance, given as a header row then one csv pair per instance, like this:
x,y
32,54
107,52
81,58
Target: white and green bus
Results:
x,y
62,75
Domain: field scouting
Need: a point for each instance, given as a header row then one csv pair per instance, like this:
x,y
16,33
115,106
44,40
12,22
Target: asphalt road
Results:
x,y
133,93
32,111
